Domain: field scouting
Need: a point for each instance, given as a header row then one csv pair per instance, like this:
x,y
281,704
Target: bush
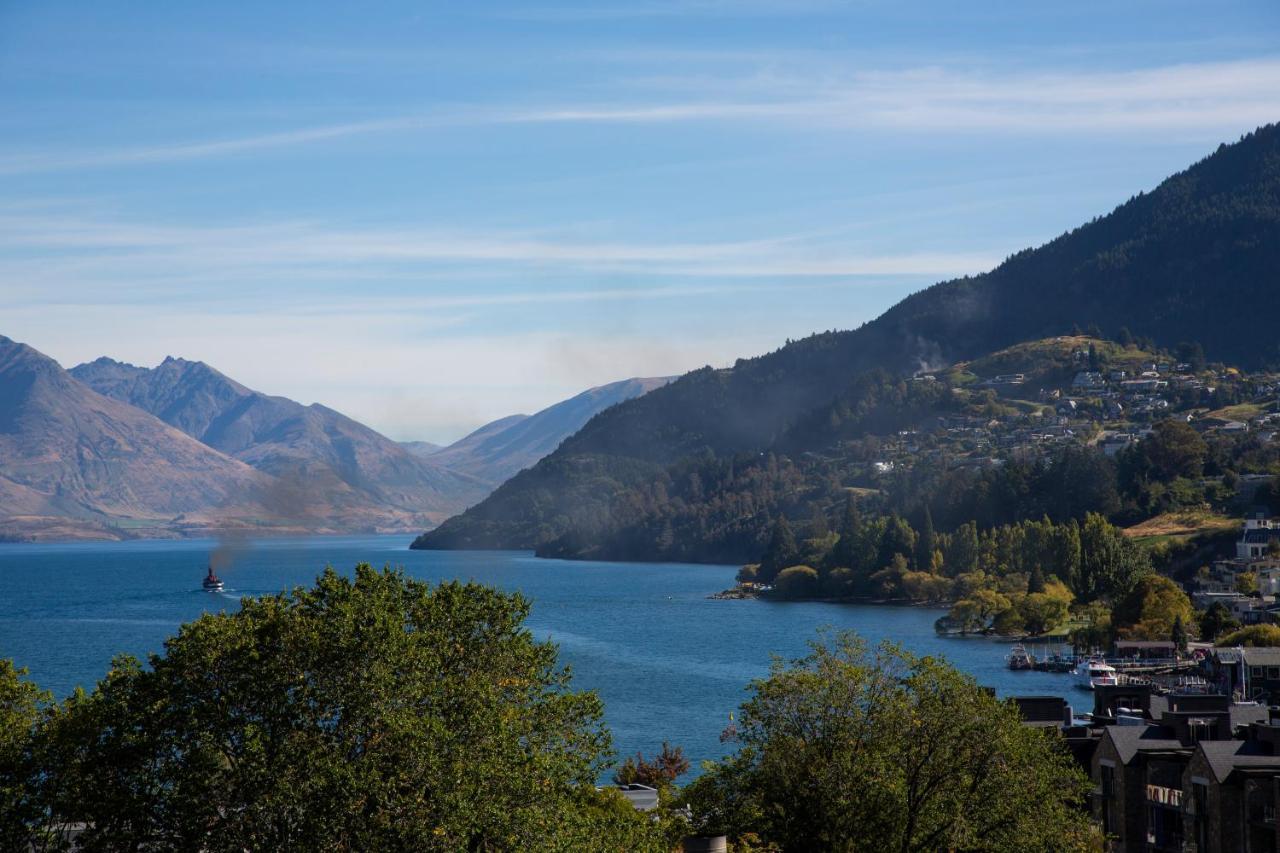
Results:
x,y
1254,635
796,582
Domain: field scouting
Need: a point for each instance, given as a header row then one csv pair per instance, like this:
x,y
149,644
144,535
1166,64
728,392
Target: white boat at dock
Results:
x,y
1095,672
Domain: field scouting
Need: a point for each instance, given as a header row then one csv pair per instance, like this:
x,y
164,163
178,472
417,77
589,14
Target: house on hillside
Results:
x,y
1260,530
1088,382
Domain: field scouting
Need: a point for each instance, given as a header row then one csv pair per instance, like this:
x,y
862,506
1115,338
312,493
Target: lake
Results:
x,y
668,662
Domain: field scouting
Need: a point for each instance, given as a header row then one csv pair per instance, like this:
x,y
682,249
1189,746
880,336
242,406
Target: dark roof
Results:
x,y
1224,756
1253,656
1261,535
1144,644
1130,740
1244,714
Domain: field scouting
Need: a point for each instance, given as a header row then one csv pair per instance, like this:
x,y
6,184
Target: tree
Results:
x,y
962,557
1110,564
1178,634
1253,635
369,713
976,611
1215,621
898,539
1043,612
796,582
1192,354
847,750
818,527
1174,450
21,706
781,552
1150,610
1035,583
667,766
927,543
1247,583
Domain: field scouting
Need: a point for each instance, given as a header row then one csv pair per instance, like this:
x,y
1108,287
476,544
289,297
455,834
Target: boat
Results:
x,y
1055,662
1020,658
212,583
1095,672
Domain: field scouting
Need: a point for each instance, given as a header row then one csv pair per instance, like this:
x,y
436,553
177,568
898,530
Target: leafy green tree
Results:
x,y
926,543
1110,564
369,713
781,553
962,556
1174,450
796,582
849,750
898,540
1150,610
976,611
1043,612
1253,635
843,553
1247,583
1096,633
1178,634
1216,620
21,708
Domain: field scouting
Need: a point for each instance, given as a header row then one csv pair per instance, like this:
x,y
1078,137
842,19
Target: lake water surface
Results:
x,y
668,662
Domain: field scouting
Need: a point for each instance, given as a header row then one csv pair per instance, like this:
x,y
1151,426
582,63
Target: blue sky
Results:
x,y
430,215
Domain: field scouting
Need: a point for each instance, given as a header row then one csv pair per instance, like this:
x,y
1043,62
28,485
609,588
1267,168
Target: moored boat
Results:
x,y
1095,672
1020,658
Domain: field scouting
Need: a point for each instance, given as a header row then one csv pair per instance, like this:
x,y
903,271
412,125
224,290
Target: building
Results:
x,y
1148,759
1249,673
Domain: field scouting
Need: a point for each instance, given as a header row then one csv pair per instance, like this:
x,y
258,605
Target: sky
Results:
x,y
431,215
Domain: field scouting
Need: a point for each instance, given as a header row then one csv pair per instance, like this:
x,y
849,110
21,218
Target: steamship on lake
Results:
x,y
212,583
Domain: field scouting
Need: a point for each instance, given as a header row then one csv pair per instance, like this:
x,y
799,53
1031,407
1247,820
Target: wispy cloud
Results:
x,y
601,11
100,248
1207,99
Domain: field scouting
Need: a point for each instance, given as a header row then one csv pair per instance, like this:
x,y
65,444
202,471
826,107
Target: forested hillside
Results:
x,y
698,470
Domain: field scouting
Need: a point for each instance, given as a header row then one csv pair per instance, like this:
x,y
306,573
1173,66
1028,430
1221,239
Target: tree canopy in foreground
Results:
x,y
366,713
849,749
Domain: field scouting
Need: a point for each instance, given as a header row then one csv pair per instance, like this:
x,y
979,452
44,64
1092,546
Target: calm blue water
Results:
x,y
668,662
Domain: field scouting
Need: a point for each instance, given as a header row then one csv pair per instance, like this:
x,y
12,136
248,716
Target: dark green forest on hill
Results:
x,y
702,469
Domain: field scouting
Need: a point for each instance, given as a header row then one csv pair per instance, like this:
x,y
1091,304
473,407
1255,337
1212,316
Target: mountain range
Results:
x,y
113,450
1196,259
500,449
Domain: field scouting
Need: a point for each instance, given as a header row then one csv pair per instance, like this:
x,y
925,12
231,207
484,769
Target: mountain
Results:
x,y
354,477
498,450
1196,259
76,463
420,449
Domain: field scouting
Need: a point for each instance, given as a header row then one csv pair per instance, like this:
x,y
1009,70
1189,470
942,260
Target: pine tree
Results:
x,y
781,553
818,524
1036,582
842,553
927,542
1179,634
